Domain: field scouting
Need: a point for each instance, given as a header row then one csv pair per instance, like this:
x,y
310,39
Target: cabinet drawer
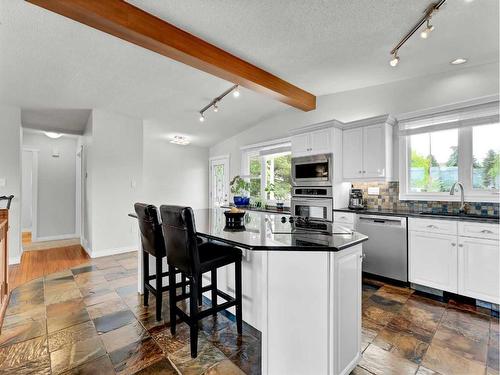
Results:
x,y
343,217
432,225
478,230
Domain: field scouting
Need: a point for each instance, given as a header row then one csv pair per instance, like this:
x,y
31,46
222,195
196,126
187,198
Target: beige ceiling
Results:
x,y
48,61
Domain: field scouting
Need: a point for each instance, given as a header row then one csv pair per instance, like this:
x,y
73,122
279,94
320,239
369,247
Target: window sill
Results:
x,y
488,198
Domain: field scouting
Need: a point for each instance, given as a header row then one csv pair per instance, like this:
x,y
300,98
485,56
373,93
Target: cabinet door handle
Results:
x,y
362,256
487,231
453,244
432,226
364,171
360,172
460,245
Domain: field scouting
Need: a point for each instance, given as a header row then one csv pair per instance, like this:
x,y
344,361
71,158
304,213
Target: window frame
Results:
x,y
465,171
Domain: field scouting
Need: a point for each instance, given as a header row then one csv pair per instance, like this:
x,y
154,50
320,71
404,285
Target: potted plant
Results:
x,y
239,189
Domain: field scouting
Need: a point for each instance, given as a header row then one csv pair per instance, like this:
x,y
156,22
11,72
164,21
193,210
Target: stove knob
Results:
x,y
291,219
283,219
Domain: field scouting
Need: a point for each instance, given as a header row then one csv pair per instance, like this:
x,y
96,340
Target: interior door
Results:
x,y
352,153
219,182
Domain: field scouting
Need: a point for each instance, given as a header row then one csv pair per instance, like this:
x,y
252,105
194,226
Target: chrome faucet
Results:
x,y
462,208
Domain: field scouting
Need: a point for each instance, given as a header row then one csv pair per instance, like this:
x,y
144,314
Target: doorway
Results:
x,y
219,181
29,182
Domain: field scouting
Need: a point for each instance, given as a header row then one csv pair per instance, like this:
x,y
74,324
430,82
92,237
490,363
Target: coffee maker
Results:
x,y
356,199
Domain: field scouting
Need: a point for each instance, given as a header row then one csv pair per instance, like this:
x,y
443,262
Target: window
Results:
x,y
437,150
268,169
485,157
434,161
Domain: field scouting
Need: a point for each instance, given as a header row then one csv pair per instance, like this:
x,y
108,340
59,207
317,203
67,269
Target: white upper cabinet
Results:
x,y
312,143
352,161
367,149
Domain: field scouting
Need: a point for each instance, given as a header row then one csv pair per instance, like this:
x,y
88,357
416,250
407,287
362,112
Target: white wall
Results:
x,y
393,98
10,170
56,208
114,173
173,174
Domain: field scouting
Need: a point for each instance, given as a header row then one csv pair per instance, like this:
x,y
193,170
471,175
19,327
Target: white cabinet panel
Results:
x,y
321,142
433,260
478,272
373,151
352,158
301,145
478,230
343,217
432,225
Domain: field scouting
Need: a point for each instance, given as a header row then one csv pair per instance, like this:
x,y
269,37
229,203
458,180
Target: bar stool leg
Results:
x,y
238,296
159,285
172,298
193,315
184,281
214,289
145,275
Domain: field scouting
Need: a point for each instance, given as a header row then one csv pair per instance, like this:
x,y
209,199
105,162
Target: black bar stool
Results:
x,y
153,244
186,254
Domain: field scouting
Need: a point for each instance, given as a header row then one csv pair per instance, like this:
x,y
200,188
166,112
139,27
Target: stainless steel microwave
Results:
x,y
315,170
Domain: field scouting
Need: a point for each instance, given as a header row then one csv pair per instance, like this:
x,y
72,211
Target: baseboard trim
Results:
x,y
14,260
56,238
108,252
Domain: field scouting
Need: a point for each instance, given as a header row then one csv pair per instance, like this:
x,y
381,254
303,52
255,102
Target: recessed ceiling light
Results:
x,y
458,61
53,135
179,140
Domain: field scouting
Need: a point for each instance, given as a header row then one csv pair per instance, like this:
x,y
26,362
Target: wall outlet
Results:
x,y
374,191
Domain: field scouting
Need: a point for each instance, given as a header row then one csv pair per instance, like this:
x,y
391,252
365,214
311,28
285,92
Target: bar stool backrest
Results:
x,y
150,227
180,238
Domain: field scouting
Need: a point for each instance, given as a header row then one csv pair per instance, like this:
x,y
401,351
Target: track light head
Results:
x,y
395,60
236,92
216,107
427,31
202,117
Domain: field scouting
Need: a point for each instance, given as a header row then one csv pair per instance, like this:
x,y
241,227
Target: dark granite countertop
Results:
x,y
285,210
420,214
266,232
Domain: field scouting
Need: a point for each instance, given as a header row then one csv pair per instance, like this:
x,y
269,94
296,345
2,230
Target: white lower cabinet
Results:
x,y
479,275
433,260
466,261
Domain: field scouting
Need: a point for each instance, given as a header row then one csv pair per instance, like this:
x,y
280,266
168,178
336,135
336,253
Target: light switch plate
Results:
x,y
3,182
374,191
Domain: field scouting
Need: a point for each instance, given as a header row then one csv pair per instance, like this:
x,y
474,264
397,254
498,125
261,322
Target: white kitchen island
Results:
x,y
302,291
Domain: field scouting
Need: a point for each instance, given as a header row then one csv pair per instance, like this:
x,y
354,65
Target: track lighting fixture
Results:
x,y
214,104
427,31
426,19
395,60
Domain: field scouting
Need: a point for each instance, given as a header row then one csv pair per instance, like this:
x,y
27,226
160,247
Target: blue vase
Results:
x,y
241,201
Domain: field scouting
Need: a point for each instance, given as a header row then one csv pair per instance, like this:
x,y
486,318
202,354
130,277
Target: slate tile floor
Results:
x,y
90,320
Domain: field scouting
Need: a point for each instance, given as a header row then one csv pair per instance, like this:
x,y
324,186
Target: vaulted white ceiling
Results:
x,y
49,61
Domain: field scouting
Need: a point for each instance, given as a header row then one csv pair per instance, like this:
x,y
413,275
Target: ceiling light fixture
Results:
x,y
395,60
458,61
179,140
53,135
433,8
214,103
427,31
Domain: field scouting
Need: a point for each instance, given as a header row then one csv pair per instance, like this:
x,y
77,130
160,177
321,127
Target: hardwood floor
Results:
x,y
26,238
39,263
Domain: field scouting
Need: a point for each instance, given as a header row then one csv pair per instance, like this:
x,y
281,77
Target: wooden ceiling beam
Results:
x,y
125,21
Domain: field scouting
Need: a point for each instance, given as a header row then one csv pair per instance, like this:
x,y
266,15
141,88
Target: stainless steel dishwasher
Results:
x,y
386,251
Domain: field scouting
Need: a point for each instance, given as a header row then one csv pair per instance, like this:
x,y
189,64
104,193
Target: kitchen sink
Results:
x,y
474,216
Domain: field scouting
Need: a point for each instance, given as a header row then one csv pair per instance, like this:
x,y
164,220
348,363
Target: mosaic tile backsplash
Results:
x,y
388,199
